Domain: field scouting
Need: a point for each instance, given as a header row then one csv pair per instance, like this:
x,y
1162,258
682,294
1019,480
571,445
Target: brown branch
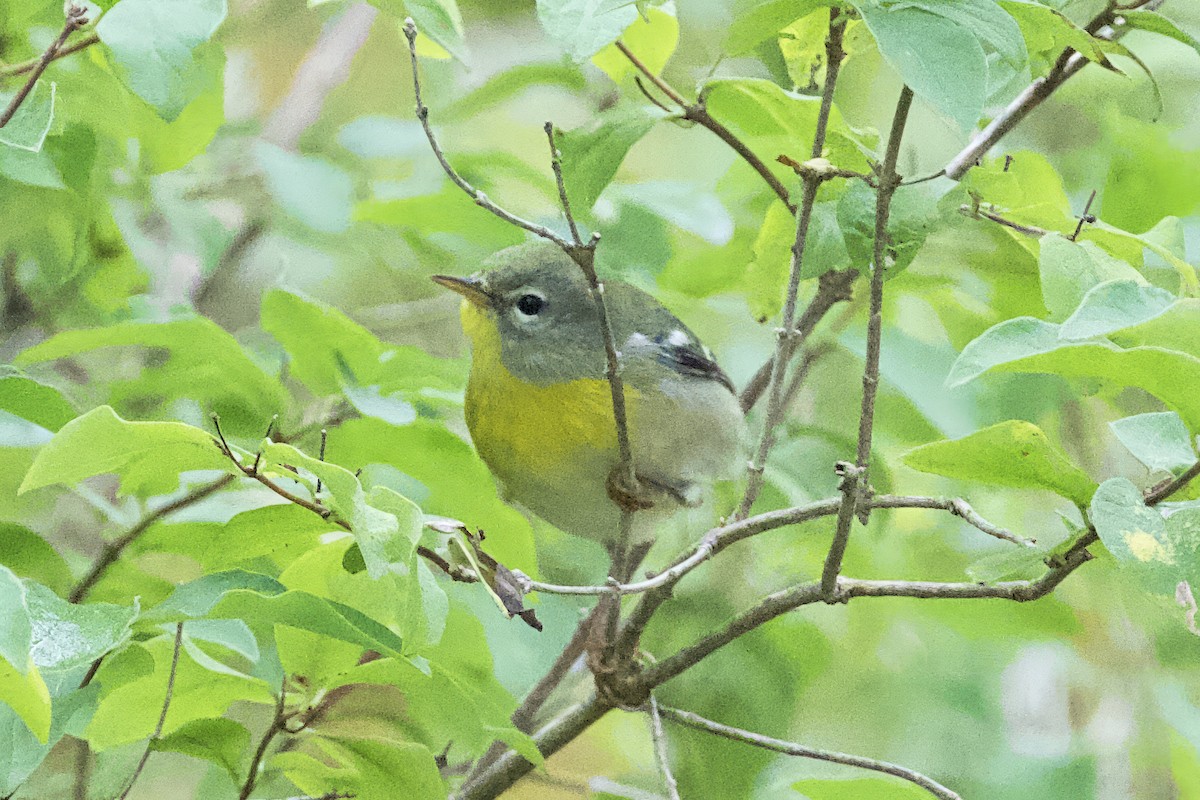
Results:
x,y
76,18
114,549
1163,492
278,724
812,180
1069,64
29,66
696,112
162,717
979,213
792,749
857,481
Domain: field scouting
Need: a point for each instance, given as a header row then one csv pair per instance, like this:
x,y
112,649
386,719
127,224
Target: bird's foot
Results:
x,y
635,497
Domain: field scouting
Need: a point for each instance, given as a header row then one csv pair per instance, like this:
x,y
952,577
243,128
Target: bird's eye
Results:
x,y
530,305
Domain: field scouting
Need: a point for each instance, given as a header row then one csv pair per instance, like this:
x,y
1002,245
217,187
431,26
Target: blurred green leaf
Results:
x,y
1013,453
152,43
1134,533
652,38
591,157
28,127
68,636
369,769
584,27
189,358
310,189
1159,440
25,693
941,61
34,401
1069,269
31,556
860,789
221,741
1048,32
755,21
148,456
1113,305
1157,23
16,632
441,21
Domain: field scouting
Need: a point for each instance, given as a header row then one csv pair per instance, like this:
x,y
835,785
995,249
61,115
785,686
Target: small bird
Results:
x,y
539,407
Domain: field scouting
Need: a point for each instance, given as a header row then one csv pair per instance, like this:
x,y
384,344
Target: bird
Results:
x,y
539,408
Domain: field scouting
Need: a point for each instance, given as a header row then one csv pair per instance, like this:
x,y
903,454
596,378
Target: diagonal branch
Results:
x,y
24,67
696,112
785,346
76,18
792,749
856,482
655,712
162,717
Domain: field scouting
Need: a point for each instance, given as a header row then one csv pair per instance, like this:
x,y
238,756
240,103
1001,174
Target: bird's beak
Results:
x,y
470,288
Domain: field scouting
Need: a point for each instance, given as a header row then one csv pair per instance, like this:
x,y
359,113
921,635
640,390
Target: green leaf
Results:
x,y
34,401
1025,344
68,636
652,38
942,62
1048,32
584,27
313,191
756,21
28,127
1013,453
148,456
913,213
591,156
251,597
441,21
1135,533
987,21
194,359
386,525
22,750
221,741
859,789
32,169
1157,23
31,556
151,42
25,692
509,83
368,769
825,250
1113,305
1159,440
16,630
167,145
1069,269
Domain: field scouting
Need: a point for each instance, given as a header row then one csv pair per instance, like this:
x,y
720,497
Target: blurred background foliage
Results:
x,y
256,239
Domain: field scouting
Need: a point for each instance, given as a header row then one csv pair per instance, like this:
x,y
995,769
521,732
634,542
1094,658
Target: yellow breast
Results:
x,y
522,428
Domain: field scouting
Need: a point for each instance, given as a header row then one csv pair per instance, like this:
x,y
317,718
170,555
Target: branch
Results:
x,y
76,18
1163,492
162,717
720,538
857,481
782,602
696,112
113,550
660,748
1069,63
23,67
481,199
278,723
812,180
979,213
792,749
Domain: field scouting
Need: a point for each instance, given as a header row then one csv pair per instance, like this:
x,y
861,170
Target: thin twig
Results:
x,y
481,199
696,112
717,539
76,18
114,549
857,482
1085,217
1069,64
1163,492
278,723
660,748
784,347
792,749
28,66
1028,230
162,717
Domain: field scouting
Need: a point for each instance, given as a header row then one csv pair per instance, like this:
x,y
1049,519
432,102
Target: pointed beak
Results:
x,y
470,288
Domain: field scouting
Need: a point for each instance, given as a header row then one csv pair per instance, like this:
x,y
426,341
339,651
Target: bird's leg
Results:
x,y
635,497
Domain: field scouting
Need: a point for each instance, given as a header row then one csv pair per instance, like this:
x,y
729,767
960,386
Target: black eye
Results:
x,y
531,304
